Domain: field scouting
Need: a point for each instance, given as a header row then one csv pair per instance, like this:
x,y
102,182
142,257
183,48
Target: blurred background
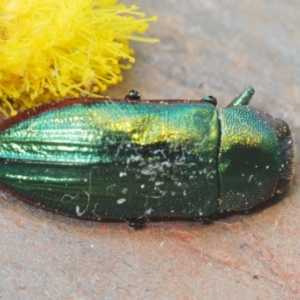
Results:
x,y
207,47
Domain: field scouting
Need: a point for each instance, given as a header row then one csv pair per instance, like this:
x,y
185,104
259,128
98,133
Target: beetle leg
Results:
x,y
211,100
137,223
133,95
243,98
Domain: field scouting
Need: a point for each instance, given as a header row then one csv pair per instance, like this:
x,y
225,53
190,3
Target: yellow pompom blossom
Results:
x,y
52,49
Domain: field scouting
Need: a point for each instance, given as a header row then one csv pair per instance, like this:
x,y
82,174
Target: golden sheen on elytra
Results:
x,y
127,159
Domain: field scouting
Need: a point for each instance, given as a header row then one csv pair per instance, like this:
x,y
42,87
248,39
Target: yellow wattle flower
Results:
x,y
64,48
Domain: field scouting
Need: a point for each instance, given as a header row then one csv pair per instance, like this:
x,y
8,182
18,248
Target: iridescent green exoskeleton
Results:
x,y
126,159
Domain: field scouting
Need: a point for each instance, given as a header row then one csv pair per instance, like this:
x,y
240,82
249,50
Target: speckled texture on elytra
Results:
x,y
116,160
119,159
251,256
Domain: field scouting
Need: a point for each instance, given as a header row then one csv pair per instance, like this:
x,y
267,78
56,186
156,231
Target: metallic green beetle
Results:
x,y
131,158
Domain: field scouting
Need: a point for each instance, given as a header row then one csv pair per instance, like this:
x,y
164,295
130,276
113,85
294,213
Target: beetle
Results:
x,y
131,158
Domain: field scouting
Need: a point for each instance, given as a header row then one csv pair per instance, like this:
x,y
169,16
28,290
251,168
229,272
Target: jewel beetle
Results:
x,y
133,158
